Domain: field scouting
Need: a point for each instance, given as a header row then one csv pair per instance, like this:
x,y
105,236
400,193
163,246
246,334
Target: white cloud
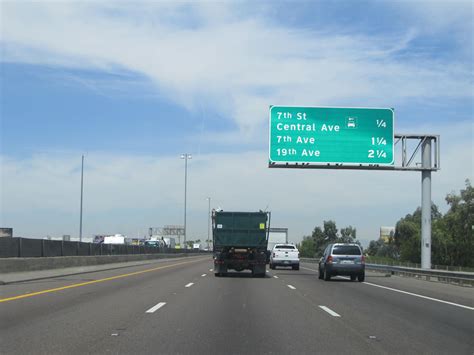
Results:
x,y
235,66
206,58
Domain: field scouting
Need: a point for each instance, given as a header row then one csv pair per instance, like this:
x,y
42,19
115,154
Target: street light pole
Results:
x,y
82,189
208,222
185,156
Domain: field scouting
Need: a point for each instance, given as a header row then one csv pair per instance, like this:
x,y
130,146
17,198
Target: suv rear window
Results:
x,y
284,247
346,250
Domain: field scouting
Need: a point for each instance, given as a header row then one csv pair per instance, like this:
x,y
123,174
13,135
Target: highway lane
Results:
x,y
184,309
400,322
73,320
458,294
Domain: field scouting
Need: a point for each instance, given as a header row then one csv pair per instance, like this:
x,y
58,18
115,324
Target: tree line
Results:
x,y
313,246
452,241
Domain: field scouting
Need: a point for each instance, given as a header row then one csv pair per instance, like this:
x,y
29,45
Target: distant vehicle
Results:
x,y
285,255
240,241
342,259
154,243
114,239
196,246
98,239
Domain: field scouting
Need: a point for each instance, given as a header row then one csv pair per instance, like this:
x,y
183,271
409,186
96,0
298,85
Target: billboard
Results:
x,y
387,233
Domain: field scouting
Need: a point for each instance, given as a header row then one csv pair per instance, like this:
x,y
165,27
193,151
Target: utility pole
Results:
x,y
185,156
208,222
82,191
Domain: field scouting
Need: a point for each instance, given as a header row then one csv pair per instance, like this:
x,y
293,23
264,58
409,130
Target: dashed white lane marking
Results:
x,y
276,277
268,271
408,293
211,270
330,311
156,307
189,284
203,275
292,287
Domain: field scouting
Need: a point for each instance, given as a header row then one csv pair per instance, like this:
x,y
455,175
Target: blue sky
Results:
x,y
132,86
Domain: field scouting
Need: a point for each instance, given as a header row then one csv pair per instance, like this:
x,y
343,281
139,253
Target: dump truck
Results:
x,y
240,241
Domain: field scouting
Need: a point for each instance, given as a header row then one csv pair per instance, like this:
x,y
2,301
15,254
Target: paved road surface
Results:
x,y
178,306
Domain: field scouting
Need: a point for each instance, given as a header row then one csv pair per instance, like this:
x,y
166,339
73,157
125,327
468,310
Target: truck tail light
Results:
x,y
329,259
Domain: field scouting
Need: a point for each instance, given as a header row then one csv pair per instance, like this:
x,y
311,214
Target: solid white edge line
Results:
x,y
420,296
292,287
330,311
408,293
156,307
189,284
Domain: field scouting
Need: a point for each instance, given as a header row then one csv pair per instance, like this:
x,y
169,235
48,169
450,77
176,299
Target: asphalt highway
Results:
x,y
179,307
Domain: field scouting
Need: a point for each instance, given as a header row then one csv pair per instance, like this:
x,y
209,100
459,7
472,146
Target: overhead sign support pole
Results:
x,y
426,204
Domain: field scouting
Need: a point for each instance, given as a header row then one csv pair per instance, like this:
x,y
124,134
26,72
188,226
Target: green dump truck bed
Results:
x,y
240,229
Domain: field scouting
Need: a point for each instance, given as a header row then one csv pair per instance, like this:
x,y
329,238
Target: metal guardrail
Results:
x,y
452,277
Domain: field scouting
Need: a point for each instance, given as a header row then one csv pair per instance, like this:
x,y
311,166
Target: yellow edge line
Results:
x,y
26,295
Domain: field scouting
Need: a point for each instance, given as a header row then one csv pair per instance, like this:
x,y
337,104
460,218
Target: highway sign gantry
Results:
x,y
331,135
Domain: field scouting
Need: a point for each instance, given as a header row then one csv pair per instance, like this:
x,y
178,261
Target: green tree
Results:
x,y
458,226
374,247
407,239
348,235
319,241
330,232
307,247
451,234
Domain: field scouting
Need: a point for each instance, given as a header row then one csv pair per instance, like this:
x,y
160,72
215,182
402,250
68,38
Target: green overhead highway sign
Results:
x,y
331,135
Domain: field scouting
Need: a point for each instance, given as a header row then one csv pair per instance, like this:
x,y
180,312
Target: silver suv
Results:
x,y
342,259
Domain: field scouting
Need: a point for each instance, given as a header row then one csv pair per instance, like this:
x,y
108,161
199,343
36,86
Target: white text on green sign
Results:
x,y
326,135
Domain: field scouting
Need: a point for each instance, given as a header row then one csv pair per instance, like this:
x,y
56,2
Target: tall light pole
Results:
x,y
82,190
185,156
208,222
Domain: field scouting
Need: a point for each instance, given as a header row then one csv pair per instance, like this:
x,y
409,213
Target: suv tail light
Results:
x,y
273,254
329,259
362,259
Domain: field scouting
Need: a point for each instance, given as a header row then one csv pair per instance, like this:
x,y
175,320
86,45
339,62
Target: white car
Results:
x,y
285,255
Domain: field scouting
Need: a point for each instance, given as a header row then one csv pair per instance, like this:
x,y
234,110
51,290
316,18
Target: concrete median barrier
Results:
x,y
10,265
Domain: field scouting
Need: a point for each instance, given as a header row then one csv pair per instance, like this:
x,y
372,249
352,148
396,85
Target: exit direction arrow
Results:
x,y
331,135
